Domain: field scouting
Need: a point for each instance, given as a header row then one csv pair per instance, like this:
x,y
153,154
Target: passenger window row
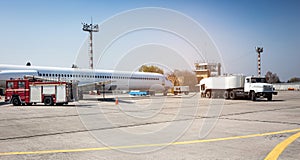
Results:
x,y
95,76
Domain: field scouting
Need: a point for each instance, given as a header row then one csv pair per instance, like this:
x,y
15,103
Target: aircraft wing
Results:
x,y
37,78
95,85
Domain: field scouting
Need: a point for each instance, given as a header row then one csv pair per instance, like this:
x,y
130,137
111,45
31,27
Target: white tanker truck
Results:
x,y
236,86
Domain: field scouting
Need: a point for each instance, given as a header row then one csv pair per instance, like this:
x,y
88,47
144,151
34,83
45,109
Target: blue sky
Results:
x,y
49,32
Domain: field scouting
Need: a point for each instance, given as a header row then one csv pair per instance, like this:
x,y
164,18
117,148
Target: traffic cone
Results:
x,y
117,101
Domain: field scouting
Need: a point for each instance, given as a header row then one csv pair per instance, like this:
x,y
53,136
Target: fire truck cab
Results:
x,y
28,92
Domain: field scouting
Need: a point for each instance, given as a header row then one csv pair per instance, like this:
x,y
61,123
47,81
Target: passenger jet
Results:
x,y
89,78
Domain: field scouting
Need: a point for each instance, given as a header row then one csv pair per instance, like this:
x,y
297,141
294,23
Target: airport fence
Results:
x,y
287,86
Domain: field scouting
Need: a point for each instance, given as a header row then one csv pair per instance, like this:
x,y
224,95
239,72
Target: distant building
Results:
x,y
205,70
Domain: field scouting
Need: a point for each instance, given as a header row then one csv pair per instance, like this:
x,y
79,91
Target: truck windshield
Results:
x,y
258,80
21,84
10,85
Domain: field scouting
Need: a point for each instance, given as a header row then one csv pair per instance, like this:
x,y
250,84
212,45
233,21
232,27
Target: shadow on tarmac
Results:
x,y
113,100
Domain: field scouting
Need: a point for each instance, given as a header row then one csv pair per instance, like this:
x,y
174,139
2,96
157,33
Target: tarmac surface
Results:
x,y
172,127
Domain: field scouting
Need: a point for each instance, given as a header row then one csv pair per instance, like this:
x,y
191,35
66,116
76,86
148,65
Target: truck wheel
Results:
x,y
253,96
16,101
232,95
208,94
186,93
226,95
270,97
48,101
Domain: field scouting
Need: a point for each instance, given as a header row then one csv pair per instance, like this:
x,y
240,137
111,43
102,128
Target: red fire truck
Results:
x,y
28,92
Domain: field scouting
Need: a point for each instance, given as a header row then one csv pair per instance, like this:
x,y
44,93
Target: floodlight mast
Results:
x,y
90,28
259,50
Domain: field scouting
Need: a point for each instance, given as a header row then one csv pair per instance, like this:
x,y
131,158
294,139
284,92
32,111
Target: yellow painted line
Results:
x,y
275,153
149,145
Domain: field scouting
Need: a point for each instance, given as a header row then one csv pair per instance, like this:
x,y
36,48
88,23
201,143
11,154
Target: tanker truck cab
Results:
x,y
256,87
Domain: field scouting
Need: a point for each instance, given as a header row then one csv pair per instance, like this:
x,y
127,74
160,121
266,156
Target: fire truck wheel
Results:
x,y
48,101
16,101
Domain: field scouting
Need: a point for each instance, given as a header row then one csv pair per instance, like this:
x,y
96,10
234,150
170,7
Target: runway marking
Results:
x,y
149,145
275,153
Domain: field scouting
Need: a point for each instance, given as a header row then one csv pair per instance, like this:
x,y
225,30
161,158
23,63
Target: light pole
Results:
x,y
259,50
90,28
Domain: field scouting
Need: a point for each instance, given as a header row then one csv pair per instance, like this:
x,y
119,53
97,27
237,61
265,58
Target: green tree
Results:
x,y
153,69
293,80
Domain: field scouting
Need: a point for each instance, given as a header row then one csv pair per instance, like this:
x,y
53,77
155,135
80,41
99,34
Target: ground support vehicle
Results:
x,y
29,91
140,93
236,86
181,90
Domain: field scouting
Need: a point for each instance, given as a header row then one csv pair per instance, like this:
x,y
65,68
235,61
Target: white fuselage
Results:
x,y
121,80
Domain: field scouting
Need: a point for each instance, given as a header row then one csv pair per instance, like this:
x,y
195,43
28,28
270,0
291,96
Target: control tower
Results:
x,y
205,70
